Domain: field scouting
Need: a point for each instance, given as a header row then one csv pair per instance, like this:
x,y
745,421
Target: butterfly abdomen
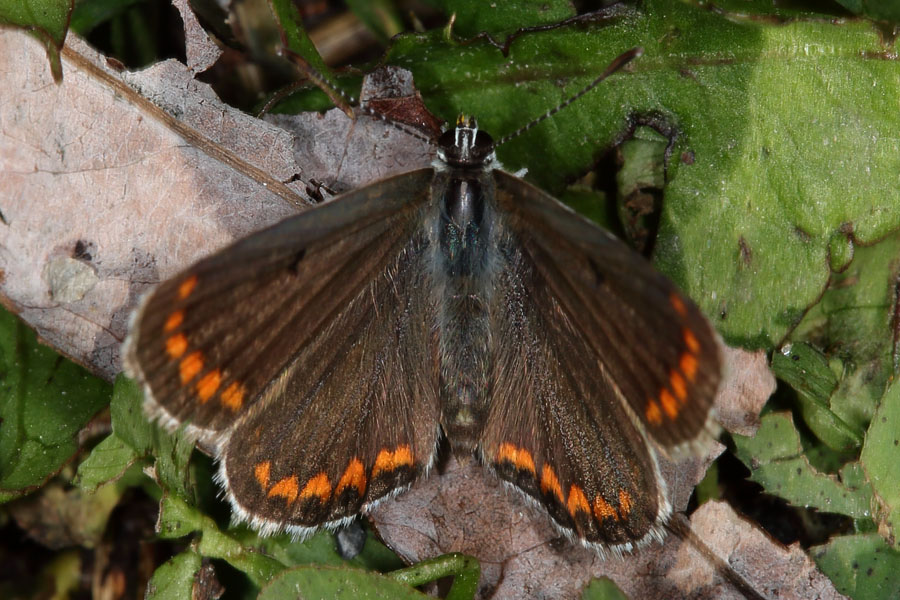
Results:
x,y
462,270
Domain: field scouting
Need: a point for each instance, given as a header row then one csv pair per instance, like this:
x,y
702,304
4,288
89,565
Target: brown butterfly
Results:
x,y
322,359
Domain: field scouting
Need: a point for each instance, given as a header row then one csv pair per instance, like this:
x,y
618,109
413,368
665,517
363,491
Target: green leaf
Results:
x,y
45,400
808,371
881,461
107,462
863,567
330,582
174,580
776,461
47,20
130,424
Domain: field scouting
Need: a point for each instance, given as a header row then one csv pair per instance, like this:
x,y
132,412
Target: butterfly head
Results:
x,y
465,145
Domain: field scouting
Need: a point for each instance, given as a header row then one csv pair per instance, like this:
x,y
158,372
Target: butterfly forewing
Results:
x,y
205,351
641,331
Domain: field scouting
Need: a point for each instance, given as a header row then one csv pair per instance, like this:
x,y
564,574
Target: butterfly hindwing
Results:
x,y
642,332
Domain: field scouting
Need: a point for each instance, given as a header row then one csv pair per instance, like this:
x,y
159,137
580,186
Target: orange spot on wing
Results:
x,y
388,460
187,287
653,413
519,457
690,340
208,385
678,385
625,503
233,396
190,366
174,320
550,483
354,476
688,364
317,486
287,488
577,501
261,472
678,304
669,404
176,345
603,510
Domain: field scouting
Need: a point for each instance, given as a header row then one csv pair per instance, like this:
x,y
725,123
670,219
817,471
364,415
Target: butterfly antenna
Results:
x,y
619,62
343,101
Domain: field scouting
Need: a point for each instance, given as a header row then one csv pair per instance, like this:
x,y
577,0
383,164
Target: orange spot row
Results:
x,y
519,457
319,486
666,404
192,365
578,502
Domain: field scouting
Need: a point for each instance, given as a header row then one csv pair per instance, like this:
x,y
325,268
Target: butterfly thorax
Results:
x,y
464,252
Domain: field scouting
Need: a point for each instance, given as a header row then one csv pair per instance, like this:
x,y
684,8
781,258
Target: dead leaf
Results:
x,y
745,390
150,170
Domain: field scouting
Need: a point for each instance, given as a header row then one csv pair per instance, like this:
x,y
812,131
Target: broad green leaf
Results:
x,y
776,461
45,400
881,461
863,567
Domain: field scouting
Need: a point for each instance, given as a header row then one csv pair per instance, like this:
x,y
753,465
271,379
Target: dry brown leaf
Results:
x,y
747,386
106,192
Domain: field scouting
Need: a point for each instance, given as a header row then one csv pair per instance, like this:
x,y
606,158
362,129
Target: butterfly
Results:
x,y
322,360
